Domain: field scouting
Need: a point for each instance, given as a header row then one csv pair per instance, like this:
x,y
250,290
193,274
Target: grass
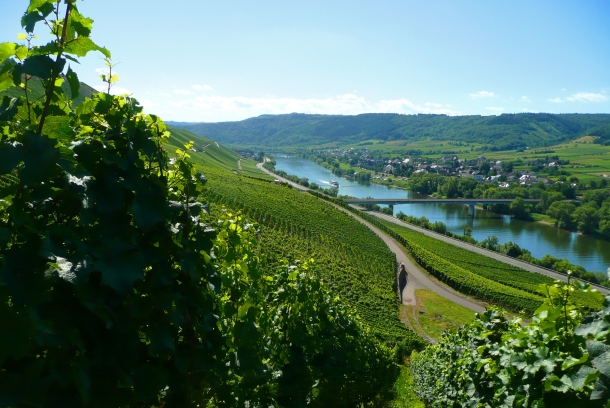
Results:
x,y
437,314
430,148
404,390
249,169
542,217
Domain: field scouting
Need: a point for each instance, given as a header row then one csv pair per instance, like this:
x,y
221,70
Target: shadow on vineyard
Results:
x,y
117,288
131,278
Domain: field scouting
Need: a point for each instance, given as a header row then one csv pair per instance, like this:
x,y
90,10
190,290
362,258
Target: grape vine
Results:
x,y
116,289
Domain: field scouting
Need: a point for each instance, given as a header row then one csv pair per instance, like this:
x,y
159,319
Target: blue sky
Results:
x,y
197,60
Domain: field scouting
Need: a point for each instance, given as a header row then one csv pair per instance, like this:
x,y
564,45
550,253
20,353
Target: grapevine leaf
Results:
x,y
597,348
161,341
149,205
18,342
29,20
74,83
40,158
21,51
34,4
600,390
58,127
602,363
120,266
584,376
571,361
8,108
6,77
562,384
243,309
7,50
82,45
595,330
41,66
10,156
46,8
78,25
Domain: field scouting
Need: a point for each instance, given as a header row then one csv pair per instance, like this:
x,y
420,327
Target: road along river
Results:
x,y
540,239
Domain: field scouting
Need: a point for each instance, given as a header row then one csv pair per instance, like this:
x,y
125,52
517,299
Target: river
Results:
x,y
540,239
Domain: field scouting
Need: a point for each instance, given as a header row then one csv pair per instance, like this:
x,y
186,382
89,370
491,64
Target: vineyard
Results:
x,y
481,277
354,262
513,281
8,180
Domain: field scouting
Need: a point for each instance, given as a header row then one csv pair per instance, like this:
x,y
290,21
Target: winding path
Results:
x,y
416,278
485,252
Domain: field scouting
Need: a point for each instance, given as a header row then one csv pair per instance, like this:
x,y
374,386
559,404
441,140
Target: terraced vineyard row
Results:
x,y
472,284
7,180
483,266
354,262
470,273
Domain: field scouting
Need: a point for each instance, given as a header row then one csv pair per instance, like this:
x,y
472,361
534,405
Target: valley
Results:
x,y
145,264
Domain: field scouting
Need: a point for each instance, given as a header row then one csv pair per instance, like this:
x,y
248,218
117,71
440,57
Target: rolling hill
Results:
x,y
507,131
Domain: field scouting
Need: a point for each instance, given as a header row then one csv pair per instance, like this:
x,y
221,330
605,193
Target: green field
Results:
x,y
435,314
428,147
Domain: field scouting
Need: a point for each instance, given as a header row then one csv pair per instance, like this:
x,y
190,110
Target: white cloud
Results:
x,y
495,109
202,87
587,97
223,108
182,92
114,90
525,99
105,71
482,94
582,97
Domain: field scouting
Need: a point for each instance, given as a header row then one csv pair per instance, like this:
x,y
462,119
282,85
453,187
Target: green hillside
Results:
x,y
507,131
36,90
354,262
211,154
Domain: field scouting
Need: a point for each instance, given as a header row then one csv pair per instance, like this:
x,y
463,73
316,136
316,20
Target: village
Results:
x,y
482,169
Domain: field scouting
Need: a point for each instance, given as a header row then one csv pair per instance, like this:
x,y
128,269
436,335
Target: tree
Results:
x,y
517,208
548,198
511,249
507,166
587,218
491,242
604,215
562,212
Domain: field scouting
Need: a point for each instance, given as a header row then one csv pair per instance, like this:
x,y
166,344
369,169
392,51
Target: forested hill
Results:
x,y
507,131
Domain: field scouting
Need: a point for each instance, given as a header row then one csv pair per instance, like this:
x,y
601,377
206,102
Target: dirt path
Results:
x,y
239,164
416,278
482,251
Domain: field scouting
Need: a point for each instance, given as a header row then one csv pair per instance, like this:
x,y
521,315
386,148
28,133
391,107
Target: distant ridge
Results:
x,y
507,131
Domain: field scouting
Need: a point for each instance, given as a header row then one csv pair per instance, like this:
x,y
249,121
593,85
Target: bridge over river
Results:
x,y
470,202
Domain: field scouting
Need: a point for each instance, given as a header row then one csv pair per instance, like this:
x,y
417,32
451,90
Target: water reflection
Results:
x,y
540,239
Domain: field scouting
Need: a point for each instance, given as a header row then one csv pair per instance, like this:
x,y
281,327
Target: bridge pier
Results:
x,y
471,210
391,208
